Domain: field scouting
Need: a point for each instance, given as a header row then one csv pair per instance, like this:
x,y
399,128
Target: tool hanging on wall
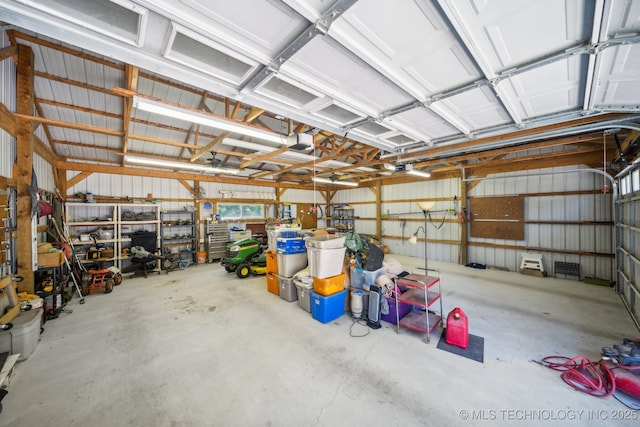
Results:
x,y
67,240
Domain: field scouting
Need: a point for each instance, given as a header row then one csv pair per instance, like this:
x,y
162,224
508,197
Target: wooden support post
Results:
x,y
463,224
377,189
24,149
61,182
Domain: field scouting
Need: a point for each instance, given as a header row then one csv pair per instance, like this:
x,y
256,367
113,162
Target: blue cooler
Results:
x,y
327,308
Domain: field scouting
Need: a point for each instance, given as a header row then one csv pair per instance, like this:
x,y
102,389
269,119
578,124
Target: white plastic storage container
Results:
x,y
326,241
290,264
25,333
325,262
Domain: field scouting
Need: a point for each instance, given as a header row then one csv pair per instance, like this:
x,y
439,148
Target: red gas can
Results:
x,y
457,328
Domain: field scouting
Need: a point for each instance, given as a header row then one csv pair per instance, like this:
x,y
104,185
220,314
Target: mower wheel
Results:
x,y
230,268
117,279
86,289
243,270
108,286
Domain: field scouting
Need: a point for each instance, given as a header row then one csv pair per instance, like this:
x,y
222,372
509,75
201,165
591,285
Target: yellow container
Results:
x,y
329,285
272,262
273,285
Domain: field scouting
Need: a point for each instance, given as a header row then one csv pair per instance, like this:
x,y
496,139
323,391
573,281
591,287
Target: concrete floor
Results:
x,y
201,347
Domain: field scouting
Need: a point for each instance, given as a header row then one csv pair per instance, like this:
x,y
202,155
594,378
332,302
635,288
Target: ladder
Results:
x,y
285,210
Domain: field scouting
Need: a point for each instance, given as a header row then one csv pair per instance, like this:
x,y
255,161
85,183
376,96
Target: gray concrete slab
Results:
x,y
202,347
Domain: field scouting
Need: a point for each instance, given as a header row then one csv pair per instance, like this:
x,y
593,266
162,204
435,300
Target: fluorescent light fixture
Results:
x,y
177,165
206,119
419,173
337,181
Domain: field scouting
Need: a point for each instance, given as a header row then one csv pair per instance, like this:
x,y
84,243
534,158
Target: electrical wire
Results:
x,y
361,322
437,227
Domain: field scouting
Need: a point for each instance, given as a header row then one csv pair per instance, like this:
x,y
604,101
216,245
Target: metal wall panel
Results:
x,y
556,238
7,97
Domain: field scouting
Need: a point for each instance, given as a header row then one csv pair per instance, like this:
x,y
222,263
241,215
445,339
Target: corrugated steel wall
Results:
x,y
402,218
561,208
7,97
395,209
628,251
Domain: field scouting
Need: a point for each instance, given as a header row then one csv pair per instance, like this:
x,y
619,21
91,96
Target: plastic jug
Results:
x,y
457,328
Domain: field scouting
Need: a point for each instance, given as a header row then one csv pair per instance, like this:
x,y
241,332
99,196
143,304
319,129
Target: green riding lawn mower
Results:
x,y
245,257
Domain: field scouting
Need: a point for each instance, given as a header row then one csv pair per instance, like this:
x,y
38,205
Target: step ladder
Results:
x,y
285,210
532,261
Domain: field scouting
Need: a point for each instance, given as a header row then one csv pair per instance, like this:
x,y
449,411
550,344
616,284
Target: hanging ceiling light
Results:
x,y
206,119
177,165
336,181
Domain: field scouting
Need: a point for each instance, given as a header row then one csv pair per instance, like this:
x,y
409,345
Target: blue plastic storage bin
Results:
x,y
325,309
289,234
290,245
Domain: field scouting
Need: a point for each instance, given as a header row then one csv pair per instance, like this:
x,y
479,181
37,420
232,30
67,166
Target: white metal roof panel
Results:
x,y
505,33
329,68
408,42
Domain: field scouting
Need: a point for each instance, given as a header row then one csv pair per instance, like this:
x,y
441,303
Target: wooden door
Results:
x,y
308,217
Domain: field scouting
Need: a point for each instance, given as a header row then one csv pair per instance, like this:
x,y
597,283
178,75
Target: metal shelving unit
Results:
x,y
343,219
82,219
178,230
424,291
134,217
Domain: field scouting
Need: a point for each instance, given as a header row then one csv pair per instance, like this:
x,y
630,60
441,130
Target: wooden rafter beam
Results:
x,y
578,139
470,145
536,162
60,48
44,127
58,104
630,139
155,173
131,77
195,128
8,52
310,164
85,145
186,185
75,83
264,157
217,140
69,125
7,120
78,178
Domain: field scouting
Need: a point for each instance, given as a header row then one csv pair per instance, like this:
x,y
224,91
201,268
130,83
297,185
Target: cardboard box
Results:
x,y
44,248
50,259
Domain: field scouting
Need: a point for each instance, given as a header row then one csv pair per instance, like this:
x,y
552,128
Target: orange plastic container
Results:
x,y
272,283
328,285
272,262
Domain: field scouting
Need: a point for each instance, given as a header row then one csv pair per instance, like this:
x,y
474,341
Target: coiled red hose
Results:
x,y
593,378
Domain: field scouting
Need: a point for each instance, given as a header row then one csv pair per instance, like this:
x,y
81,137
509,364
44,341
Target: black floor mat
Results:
x,y
475,351
3,358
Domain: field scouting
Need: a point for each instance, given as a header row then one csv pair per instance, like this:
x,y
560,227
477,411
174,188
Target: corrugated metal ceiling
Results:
x,y
407,78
